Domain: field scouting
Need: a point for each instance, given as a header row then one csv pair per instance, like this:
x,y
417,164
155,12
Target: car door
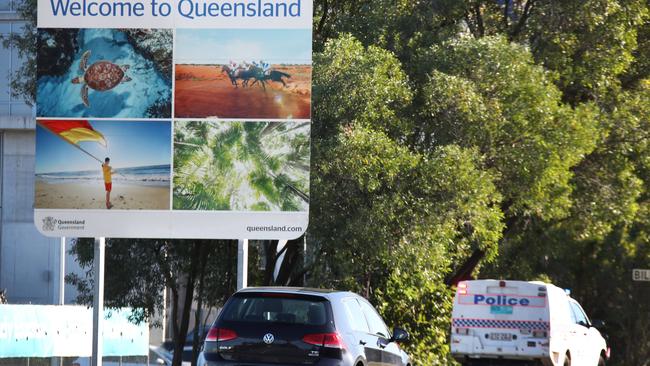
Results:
x,y
592,338
390,353
364,339
580,336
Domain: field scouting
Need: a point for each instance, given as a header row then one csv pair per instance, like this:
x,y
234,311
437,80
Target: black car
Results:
x,y
299,326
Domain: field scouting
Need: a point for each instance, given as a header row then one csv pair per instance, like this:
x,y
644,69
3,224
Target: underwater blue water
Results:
x,y
142,175
57,96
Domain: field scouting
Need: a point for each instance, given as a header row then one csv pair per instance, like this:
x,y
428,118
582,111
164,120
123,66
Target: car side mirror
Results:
x,y
399,335
598,324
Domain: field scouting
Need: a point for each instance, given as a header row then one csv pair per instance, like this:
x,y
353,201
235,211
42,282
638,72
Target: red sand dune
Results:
x,y
205,91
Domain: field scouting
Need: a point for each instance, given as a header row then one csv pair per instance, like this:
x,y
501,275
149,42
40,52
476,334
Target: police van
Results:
x,y
522,323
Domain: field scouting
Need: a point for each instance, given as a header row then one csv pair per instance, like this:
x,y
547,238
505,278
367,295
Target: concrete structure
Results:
x,y
29,262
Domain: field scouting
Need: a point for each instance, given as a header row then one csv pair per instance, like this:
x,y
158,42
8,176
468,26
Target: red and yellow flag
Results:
x,y
73,131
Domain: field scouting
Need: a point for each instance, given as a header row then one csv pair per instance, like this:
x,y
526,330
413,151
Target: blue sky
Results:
x,y
130,144
218,46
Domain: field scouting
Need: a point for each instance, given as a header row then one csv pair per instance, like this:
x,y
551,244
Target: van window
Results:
x,y
355,316
579,314
375,322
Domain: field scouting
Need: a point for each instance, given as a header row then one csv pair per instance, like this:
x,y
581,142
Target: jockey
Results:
x,y
265,67
233,67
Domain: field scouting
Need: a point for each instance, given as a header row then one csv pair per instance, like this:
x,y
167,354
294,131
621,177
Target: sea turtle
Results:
x,y
101,76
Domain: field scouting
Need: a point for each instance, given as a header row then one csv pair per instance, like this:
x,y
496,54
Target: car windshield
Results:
x,y
276,308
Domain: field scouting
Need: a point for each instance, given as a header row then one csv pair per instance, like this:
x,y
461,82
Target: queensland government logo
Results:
x,y
49,223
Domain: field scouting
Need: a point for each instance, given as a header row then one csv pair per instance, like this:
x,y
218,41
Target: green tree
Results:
x,y
436,208
139,270
488,93
23,81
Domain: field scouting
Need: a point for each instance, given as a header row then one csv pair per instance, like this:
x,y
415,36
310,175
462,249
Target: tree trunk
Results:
x,y
187,307
464,272
292,261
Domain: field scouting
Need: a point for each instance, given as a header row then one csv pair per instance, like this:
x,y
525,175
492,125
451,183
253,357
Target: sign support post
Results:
x,y
242,264
61,300
98,300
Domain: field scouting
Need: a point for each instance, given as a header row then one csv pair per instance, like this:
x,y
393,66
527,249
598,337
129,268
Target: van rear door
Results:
x,y
502,318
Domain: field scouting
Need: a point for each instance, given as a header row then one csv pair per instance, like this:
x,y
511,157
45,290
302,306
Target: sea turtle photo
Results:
x,y
101,76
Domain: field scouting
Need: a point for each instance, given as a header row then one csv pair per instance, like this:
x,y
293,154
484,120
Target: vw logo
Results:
x,y
268,338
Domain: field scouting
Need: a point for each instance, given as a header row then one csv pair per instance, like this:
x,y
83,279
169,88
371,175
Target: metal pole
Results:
x,y
98,301
62,272
242,264
304,258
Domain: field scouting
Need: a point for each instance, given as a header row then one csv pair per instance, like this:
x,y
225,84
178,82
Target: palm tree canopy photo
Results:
x,y
241,166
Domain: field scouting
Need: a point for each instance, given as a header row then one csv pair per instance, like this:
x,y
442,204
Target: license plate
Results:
x,y
500,336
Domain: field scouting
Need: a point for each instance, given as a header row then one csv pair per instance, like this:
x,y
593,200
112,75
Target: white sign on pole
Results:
x,y
641,275
173,118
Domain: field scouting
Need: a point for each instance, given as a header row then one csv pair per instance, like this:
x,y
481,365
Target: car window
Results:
x,y
355,315
569,311
376,324
580,316
276,310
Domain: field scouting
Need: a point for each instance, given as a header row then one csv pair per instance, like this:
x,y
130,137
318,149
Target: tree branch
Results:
x,y
528,8
479,19
323,18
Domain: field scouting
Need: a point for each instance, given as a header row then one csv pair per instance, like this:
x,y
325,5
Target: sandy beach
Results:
x,y
92,196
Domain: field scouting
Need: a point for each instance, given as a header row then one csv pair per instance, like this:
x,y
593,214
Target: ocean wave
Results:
x,y
155,174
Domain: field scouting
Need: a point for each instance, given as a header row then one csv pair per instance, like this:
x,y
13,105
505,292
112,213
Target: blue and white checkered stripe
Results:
x,y
503,324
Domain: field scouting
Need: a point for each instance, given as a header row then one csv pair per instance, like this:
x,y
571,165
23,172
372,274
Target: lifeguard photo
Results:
x,y
243,73
104,165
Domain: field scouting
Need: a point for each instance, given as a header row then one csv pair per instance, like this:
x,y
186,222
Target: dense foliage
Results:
x,y
502,138
544,104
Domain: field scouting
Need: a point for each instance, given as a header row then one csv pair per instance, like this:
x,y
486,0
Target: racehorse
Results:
x,y
239,73
272,75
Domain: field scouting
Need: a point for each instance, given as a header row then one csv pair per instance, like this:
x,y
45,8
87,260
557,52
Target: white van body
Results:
x,y
498,322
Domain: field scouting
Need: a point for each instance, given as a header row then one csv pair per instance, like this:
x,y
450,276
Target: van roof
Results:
x,y
507,281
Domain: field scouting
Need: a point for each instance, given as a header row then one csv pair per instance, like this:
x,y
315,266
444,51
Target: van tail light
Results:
x,y
463,331
330,340
608,352
220,335
462,288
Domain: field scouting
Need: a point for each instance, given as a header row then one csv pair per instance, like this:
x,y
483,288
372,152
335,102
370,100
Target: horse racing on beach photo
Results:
x,y
243,74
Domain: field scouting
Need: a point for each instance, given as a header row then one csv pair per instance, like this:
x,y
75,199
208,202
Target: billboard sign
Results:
x,y
173,119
